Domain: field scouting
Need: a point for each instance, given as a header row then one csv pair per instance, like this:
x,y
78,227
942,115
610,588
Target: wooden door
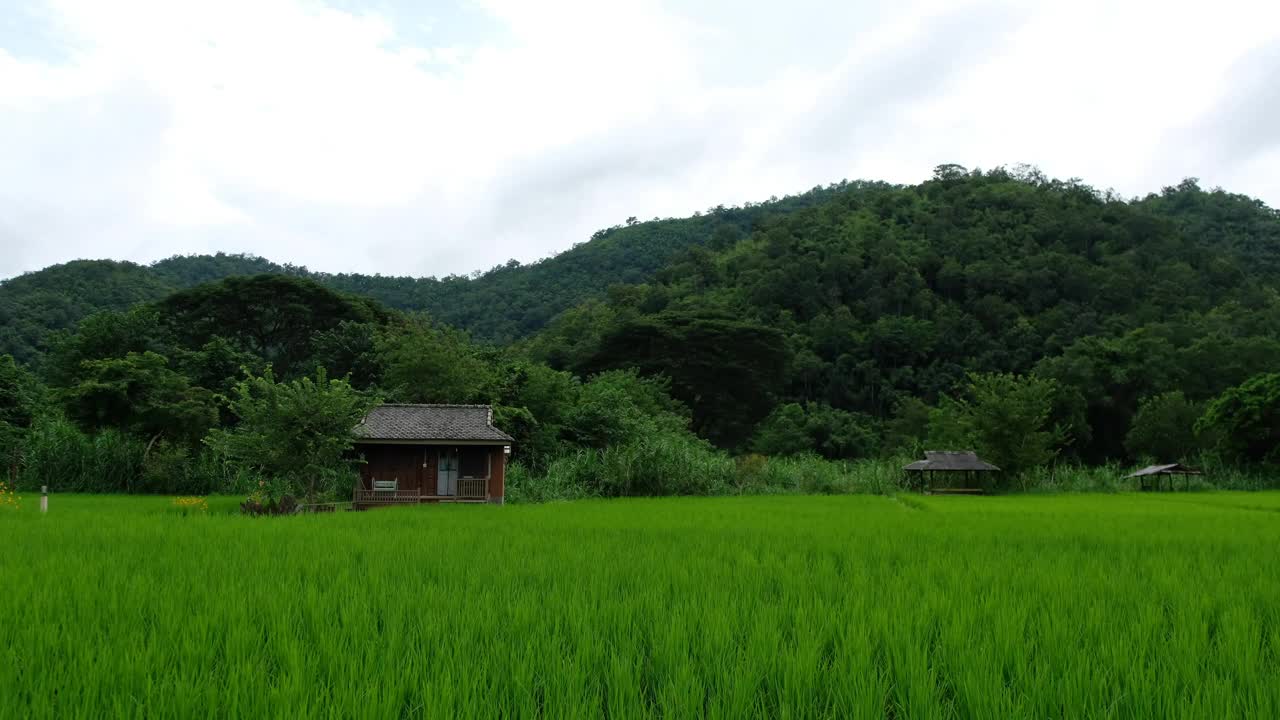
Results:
x,y
447,472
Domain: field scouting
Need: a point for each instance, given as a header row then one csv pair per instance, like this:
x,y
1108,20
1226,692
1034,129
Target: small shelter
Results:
x,y
430,453
1152,477
949,471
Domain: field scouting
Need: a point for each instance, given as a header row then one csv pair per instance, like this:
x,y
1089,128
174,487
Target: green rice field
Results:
x,y
1054,606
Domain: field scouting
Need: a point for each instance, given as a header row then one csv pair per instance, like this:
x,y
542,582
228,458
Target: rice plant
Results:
x,y
843,606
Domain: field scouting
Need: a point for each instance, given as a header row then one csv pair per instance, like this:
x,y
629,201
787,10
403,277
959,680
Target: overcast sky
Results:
x,y
427,138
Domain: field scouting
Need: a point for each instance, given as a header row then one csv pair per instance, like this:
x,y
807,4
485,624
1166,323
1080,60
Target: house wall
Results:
x,y
395,462
497,475
415,467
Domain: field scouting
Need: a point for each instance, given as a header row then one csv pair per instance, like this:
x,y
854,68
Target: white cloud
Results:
x,y
405,143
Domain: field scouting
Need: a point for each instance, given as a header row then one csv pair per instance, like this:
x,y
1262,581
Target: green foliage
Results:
x,y
67,459
276,318
1164,428
1006,418
140,394
530,404
36,305
104,335
426,364
506,303
18,407
297,435
60,455
1246,419
793,429
618,406
908,428
670,463
831,322
892,294
349,350
721,368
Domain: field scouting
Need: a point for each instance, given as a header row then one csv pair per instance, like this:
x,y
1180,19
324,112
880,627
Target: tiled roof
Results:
x,y
430,422
950,460
1170,469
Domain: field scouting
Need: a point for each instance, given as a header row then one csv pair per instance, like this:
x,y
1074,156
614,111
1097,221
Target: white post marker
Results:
x,y
44,498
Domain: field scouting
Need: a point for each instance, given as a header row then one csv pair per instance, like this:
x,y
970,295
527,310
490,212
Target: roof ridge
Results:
x,y
456,421
438,405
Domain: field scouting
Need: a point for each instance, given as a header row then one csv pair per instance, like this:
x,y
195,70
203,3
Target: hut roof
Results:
x,y
430,422
1170,469
957,460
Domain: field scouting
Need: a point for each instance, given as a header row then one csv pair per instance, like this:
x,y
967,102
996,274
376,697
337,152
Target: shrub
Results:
x,y
297,433
261,505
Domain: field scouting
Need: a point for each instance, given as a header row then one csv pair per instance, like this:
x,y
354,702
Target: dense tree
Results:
x,y
105,335
18,407
1006,418
35,305
853,319
350,350
1164,428
296,435
1246,419
722,368
274,317
426,364
793,429
141,394
888,294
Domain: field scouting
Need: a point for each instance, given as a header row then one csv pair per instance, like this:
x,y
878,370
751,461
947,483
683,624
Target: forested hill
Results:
x,y
1027,317
852,317
506,303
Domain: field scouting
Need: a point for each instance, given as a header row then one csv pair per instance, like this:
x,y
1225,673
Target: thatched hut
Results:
x,y
949,471
1153,477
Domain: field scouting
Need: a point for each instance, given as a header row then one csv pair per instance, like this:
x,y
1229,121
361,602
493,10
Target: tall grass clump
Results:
x,y
66,459
657,464
1113,477
679,464
811,474
60,455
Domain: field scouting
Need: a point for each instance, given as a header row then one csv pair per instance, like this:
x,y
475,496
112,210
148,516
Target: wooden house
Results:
x,y
949,471
430,453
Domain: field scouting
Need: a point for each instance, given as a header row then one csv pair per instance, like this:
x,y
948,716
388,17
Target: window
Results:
x,y
474,462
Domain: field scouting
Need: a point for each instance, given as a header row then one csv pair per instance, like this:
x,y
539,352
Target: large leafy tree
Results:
x,y
274,317
815,428
724,369
1164,428
139,393
296,434
428,364
1006,418
103,335
1246,419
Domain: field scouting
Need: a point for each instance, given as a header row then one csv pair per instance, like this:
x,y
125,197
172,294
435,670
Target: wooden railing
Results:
x,y
472,488
386,496
468,489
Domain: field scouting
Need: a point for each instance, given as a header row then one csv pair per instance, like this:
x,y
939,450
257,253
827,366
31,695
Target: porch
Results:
x,y
469,490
